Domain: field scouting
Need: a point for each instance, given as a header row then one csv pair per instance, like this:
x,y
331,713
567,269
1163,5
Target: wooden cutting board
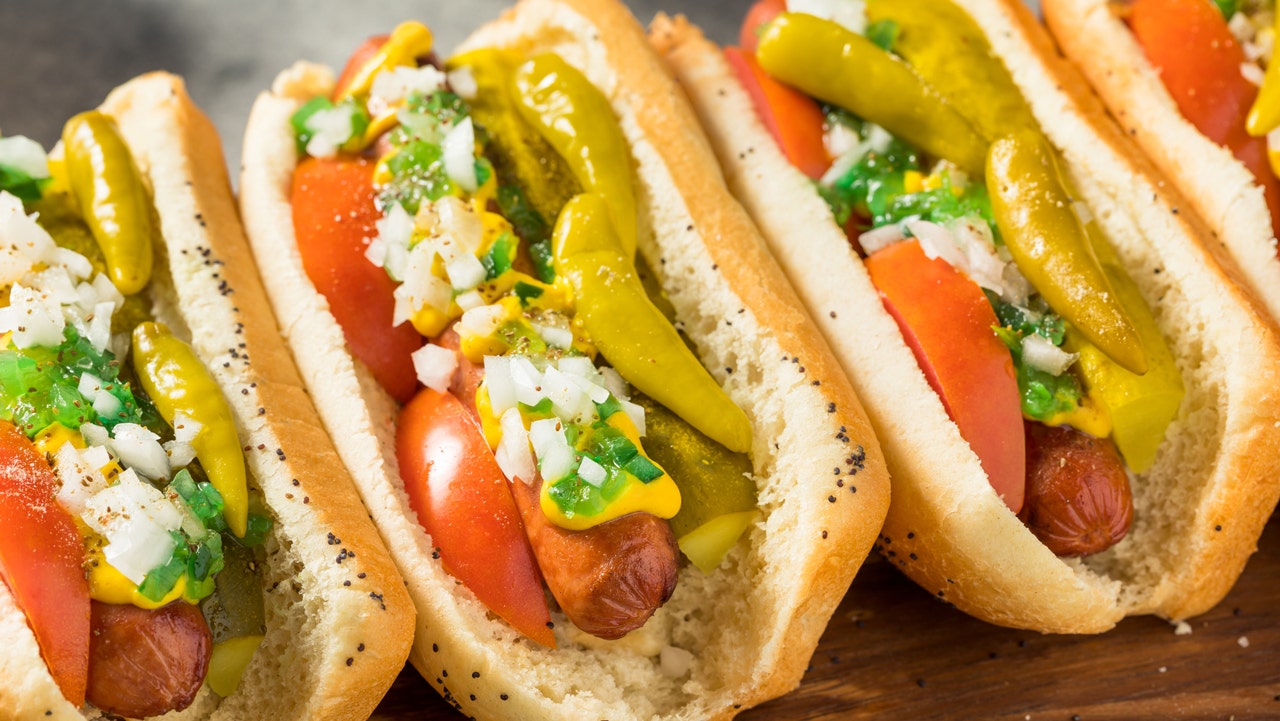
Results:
x,y
893,652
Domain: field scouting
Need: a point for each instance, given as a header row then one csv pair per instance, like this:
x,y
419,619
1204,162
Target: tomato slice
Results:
x,y
462,499
333,217
947,321
357,60
41,559
793,118
759,15
1199,60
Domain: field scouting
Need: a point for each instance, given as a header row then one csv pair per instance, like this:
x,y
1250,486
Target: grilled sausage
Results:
x,y
1078,499
147,662
608,579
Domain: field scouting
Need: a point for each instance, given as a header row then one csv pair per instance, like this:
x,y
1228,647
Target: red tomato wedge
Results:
x,y
41,559
1199,60
462,499
759,15
333,217
793,118
357,60
947,321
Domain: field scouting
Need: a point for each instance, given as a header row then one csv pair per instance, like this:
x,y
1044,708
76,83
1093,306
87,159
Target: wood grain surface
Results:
x,y
893,652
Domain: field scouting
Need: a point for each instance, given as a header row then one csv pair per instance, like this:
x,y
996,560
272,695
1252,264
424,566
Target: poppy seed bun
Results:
x,y
753,623
1216,185
337,633
1201,507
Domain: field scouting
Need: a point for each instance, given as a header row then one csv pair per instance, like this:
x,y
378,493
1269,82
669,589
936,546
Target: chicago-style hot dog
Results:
x,y
1087,439
1193,84
197,577
525,220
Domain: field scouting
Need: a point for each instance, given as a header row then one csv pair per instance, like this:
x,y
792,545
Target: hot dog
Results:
x,y
166,580
578,157
975,83
1189,83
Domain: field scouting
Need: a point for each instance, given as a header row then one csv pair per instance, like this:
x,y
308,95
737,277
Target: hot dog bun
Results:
x,y
1219,187
1200,509
753,623
337,632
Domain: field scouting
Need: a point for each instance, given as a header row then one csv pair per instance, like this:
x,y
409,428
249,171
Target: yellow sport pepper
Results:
x,y
576,119
177,382
823,59
1049,245
112,198
948,50
1141,407
630,331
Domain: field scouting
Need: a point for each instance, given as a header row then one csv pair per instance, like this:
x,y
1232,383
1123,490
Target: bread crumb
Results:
x,y
1243,641
1163,669
1181,628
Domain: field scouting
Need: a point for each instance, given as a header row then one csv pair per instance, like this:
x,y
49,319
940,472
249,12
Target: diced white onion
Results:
x,y
25,155
497,379
435,366
135,518
463,83
395,260
878,139
937,242
395,232
180,454
106,290
94,434
849,13
1253,73
421,288
1040,353
457,222
185,428
1017,289
840,139
138,546
568,400
614,383
74,263
483,321
555,337
140,449
878,238
592,472
470,299
635,413
34,318
577,366
100,326
330,128
545,433
527,381
593,386
844,163
80,480
512,453
459,148
465,272
557,462
22,241
392,86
